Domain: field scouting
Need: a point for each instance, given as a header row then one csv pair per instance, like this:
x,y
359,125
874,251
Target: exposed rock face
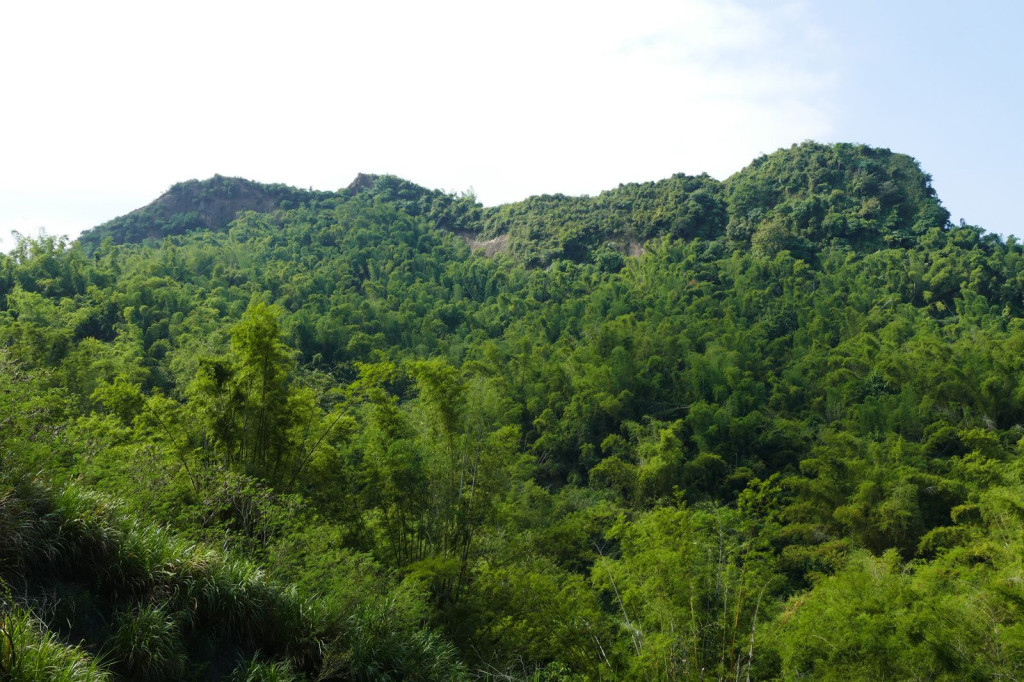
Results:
x,y
489,247
208,204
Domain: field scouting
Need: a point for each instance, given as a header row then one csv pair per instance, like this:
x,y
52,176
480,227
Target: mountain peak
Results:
x,y
198,204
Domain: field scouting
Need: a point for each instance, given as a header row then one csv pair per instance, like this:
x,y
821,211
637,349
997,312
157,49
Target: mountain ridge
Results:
x,y
796,199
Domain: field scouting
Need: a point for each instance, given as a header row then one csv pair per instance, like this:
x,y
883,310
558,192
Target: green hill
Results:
x,y
796,199
768,427
197,205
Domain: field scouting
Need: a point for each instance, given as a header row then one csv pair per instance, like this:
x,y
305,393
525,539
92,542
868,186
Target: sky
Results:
x,y
104,105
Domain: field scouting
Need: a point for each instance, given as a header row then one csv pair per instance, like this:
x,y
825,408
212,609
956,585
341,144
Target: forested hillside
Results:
x,y
766,428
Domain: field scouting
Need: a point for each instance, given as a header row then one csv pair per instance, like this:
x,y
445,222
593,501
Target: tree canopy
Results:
x,y
762,428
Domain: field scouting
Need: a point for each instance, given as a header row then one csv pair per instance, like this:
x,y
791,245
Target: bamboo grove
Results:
x,y
762,428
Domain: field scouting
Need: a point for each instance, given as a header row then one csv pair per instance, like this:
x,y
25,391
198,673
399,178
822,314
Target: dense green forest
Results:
x,y
766,428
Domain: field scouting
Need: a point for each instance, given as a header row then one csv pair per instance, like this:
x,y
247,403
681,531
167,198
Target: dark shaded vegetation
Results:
x,y
765,428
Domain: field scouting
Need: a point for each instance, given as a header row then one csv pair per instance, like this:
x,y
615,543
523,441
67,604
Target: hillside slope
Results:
x,y
770,427
797,199
197,205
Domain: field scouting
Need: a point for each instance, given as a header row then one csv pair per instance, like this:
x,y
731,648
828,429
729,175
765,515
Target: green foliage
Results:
x,y
148,644
255,670
878,618
193,205
545,228
531,614
689,587
812,194
31,653
766,428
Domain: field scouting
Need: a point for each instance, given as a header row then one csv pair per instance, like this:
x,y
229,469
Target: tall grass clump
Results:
x,y
255,670
382,642
168,599
21,533
30,653
147,645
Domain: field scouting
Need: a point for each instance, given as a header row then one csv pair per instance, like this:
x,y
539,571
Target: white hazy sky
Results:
x,y
104,105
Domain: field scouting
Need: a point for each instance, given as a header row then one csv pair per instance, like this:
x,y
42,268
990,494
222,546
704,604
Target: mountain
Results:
x,y
197,205
763,428
796,199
